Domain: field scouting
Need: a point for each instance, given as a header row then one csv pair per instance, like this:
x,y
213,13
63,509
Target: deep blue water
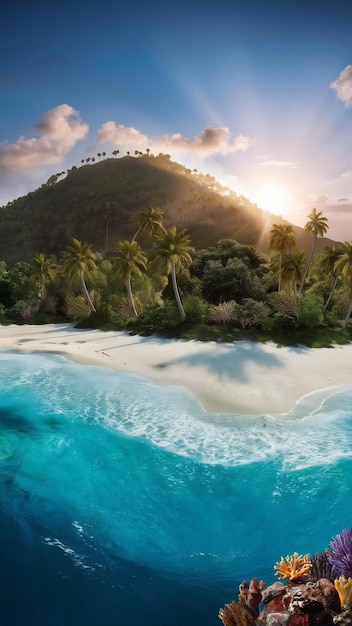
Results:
x,y
123,502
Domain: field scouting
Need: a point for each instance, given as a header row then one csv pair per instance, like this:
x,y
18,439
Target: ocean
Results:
x,y
125,502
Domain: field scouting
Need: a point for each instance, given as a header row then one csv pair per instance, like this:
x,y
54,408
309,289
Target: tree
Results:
x,y
282,238
129,260
173,253
317,226
292,269
43,270
78,259
344,266
328,262
150,221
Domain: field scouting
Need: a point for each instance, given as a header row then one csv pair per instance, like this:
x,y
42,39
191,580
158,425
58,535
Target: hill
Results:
x,y
100,203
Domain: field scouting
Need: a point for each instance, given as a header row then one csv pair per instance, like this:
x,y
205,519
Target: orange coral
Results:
x,y
293,567
344,589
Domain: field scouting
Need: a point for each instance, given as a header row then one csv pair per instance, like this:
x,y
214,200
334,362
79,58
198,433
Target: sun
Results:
x,y
273,197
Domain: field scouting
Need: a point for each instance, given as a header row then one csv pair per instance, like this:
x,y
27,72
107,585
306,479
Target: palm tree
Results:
x,y
327,264
78,259
173,253
344,266
150,221
129,260
317,226
292,269
282,238
43,270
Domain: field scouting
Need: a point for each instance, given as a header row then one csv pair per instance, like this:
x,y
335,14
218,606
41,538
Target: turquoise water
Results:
x,y
125,502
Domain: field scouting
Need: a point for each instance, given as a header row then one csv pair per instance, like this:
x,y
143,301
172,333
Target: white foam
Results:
x,y
316,431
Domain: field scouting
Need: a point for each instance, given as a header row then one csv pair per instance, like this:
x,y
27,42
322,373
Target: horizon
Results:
x,y
258,96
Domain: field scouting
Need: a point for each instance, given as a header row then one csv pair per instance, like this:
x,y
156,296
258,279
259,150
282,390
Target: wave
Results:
x,y
316,431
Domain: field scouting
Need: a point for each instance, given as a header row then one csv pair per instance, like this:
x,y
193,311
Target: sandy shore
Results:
x,y
244,377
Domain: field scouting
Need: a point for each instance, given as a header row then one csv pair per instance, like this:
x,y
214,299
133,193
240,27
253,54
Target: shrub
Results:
x,y
283,322
251,313
157,319
76,307
195,308
222,313
22,311
311,307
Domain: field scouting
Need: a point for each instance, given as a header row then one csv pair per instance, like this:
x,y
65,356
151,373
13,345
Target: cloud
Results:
x,y
343,86
122,136
316,199
342,199
210,141
274,163
59,129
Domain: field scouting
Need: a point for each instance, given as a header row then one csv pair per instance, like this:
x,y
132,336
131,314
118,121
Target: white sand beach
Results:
x,y
243,377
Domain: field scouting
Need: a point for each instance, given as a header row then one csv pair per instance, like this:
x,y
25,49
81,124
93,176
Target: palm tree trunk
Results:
x,y
86,294
176,292
331,293
348,316
307,268
130,296
280,271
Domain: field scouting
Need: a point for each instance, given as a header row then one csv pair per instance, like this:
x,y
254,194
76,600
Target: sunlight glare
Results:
x,y
274,198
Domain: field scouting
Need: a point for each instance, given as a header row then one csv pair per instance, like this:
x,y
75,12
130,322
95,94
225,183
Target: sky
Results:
x,y
257,93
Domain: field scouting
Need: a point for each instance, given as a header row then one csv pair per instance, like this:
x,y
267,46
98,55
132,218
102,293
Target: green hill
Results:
x,y
100,203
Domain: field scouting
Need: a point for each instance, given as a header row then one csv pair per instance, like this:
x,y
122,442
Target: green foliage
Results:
x,y
195,308
250,313
18,280
156,319
234,281
281,323
21,311
311,307
105,318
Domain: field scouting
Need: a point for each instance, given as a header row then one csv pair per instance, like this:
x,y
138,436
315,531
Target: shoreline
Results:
x,y
243,377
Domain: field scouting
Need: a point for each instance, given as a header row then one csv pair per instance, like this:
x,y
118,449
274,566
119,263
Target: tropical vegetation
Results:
x,y
157,280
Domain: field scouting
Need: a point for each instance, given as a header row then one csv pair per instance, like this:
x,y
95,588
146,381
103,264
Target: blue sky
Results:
x,y
257,93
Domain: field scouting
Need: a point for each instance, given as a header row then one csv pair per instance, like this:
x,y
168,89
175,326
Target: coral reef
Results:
x,y
344,589
293,567
235,615
340,555
321,567
251,596
310,597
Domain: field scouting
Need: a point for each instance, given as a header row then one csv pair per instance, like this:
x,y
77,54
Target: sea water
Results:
x,y
125,502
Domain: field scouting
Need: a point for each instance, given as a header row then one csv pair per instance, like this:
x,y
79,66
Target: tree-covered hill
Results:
x,y
100,203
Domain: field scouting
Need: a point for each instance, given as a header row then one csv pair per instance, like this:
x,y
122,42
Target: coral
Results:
x,y
344,589
251,596
321,567
293,567
235,615
344,618
340,555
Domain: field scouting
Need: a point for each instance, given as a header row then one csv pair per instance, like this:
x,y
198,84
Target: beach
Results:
x,y
242,377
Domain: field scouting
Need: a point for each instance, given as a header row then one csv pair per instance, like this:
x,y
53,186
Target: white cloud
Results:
x,y
343,86
59,129
209,141
275,163
122,136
